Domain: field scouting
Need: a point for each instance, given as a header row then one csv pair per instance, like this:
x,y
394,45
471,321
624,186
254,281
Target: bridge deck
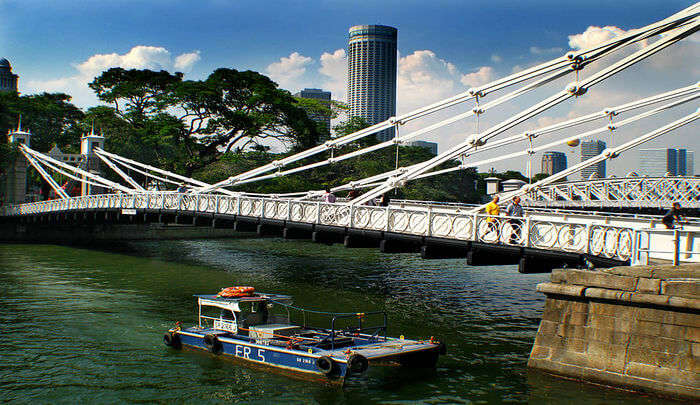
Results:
x,y
619,238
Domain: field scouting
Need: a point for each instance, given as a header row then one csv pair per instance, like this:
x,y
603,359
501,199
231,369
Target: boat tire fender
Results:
x,y
172,340
213,344
325,364
357,363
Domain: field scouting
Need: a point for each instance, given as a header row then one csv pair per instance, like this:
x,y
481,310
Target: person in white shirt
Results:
x,y
515,210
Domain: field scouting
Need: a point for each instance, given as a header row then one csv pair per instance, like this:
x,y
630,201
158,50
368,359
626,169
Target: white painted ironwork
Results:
x,y
622,192
674,245
86,176
573,90
59,191
564,234
674,28
145,169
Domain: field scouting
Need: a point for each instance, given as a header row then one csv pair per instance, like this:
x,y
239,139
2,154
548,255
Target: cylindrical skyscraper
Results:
x,y
372,74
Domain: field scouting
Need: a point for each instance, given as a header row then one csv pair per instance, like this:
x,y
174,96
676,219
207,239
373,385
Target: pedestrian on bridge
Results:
x,y
329,197
515,210
493,210
673,214
384,201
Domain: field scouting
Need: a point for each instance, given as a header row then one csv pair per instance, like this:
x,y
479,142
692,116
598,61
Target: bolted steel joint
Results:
x,y
576,90
475,92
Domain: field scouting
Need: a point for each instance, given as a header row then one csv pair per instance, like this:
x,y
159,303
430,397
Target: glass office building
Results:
x,y
590,149
553,162
660,162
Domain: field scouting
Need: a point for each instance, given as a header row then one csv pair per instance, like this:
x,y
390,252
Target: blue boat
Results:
x,y
258,329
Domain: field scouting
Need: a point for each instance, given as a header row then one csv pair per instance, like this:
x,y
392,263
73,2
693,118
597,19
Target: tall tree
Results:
x,y
51,118
136,94
205,119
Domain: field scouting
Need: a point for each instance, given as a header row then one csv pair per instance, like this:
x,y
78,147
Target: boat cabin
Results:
x,y
242,315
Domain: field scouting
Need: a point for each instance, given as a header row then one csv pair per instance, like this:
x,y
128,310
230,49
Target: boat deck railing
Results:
x,y
376,329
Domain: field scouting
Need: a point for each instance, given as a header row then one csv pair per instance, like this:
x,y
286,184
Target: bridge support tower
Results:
x,y
88,143
16,180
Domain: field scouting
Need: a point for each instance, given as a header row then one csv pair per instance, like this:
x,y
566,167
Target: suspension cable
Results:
x,y
581,57
574,89
690,91
45,175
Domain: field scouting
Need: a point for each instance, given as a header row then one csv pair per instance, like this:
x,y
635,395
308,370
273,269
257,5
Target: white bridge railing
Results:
x,y
633,192
567,234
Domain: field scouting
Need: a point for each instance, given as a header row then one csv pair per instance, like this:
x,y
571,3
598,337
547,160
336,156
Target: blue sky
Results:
x,y
445,46
44,38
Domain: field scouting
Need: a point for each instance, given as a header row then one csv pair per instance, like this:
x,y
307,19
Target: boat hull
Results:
x,y
270,356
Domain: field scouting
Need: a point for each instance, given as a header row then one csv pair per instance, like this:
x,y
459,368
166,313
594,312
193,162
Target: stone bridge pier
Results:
x,y
633,327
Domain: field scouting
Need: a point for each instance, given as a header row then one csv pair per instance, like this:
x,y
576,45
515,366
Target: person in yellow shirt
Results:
x,y
493,210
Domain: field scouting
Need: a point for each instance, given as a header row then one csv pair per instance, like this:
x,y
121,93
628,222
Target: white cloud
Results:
x,y
334,66
424,78
185,61
536,50
288,70
594,36
496,58
484,75
138,57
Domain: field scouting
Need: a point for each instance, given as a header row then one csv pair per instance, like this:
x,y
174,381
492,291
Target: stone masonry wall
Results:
x,y
634,327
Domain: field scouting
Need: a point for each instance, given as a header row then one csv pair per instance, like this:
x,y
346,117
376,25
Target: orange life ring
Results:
x,y
236,292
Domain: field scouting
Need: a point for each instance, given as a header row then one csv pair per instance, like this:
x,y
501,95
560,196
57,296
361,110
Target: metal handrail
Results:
x,y
676,252
359,328
585,235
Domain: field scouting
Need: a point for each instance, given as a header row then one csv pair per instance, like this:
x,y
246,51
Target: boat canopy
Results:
x,y
232,303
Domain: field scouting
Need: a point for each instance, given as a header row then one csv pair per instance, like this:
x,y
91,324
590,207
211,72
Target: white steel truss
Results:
x,y
624,192
675,27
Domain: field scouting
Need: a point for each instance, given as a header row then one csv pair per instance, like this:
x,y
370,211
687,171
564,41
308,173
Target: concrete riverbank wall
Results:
x,y
631,327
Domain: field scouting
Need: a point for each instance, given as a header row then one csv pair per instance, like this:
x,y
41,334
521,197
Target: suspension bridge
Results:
x,y
539,240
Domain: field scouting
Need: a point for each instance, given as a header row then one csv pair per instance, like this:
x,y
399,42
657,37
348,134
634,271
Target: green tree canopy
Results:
x,y
203,120
51,118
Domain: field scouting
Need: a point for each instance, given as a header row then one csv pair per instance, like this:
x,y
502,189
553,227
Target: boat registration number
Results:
x,y
229,326
250,353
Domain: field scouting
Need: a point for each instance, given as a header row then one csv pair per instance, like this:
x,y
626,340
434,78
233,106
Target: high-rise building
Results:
x,y
590,149
318,94
660,162
553,162
681,162
653,162
372,74
8,80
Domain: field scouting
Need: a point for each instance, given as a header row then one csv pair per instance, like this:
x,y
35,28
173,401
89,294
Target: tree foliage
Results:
x,y
224,125
205,119
51,118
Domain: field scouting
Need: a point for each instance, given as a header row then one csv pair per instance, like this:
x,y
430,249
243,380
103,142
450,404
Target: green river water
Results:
x,y
82,325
